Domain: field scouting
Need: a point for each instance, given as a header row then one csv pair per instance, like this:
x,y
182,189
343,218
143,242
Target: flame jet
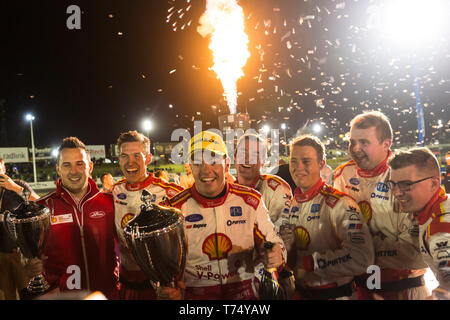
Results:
x,y
224,21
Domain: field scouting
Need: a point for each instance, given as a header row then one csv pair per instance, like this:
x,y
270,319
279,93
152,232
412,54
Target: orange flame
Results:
x,y
224,21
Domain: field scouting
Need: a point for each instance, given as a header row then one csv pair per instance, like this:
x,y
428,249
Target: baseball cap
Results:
x,y
207,140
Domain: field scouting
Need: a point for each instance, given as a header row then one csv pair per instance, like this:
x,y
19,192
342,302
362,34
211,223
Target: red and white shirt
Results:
x,y
127,202
434,234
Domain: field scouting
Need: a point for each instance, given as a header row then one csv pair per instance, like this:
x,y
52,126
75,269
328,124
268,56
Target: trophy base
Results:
x,y
38,285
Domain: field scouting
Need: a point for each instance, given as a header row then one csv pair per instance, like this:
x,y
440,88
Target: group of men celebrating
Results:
x,y
384,210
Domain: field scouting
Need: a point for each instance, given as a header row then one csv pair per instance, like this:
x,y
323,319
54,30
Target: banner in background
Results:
x,y
14,155
97,151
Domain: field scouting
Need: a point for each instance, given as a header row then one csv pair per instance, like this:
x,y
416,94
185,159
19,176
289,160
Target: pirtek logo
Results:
x,y
386,253
322,263
231,222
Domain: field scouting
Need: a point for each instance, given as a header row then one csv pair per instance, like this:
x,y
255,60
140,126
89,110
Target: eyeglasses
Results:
x,y
404,185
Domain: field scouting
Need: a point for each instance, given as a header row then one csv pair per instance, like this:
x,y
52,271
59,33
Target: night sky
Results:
x,y
310,61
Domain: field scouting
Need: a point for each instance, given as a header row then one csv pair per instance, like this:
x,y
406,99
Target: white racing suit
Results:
x,y
222,234
434,234
275,193
332,242
395,234
127,202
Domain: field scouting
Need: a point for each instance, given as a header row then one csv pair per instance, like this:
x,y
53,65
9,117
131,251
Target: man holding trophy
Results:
x,y
134,156
224,224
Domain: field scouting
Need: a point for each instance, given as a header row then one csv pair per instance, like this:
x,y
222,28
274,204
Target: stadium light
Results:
x,y
30,117
265,128
317,128
147,125
414,21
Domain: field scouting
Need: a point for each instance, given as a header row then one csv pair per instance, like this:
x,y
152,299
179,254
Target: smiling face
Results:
x,y
209,175
74,168
305,167
420,193
365,148
133,161
248,162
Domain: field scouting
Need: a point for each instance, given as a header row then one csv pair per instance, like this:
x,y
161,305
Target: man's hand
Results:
x,y
439,294
7,183
274,257
287,234
33,267
171,293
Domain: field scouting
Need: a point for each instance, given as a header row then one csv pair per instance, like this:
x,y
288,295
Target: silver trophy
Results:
x,y
28,226
158,242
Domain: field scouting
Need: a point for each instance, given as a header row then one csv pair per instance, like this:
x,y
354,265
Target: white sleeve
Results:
x,y
264,229
356,252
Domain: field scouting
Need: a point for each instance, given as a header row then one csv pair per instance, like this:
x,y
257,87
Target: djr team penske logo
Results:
x,y
217,246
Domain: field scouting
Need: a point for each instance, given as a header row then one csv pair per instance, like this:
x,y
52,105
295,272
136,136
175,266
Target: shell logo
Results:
x,y
366,210
302,238
125,219
217,246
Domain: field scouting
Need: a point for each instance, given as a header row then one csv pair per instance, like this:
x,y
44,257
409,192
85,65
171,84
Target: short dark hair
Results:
x,y
312,141
72,143
375,119
134,136
422,158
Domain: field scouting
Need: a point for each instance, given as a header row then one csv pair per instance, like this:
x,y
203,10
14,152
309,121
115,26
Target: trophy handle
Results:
x,y
11,233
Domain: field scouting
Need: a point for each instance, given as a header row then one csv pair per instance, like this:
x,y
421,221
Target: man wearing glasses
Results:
x,y
415,182
395,235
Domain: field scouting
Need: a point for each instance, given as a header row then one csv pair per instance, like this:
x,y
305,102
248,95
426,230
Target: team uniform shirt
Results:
x,y
80,243
275,193
127,202
222,234
331,239
395,234
434,231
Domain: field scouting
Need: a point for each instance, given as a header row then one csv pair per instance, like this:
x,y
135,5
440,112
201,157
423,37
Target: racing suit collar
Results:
x,y
427,212
253,184
62,192
311,193
382,167
207,202
140,185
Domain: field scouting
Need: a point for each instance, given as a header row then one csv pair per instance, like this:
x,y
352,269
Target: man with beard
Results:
x,y
395,235
80,245
134,156
323,230
415,183
224,224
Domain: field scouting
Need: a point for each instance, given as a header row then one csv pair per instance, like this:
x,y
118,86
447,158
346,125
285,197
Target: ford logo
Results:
x,y
354,181
194,218
122,196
